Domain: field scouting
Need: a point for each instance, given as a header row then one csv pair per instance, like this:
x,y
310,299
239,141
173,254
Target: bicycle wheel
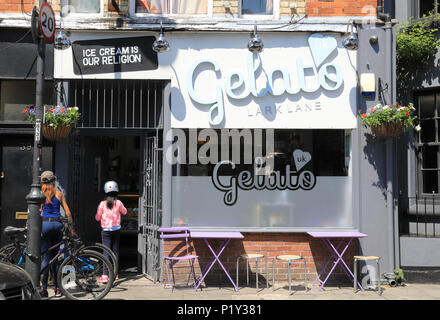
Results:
x,y
78,275
10,253
99,247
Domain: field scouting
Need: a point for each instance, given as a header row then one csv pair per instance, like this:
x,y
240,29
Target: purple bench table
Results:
x,y
206,236
327,237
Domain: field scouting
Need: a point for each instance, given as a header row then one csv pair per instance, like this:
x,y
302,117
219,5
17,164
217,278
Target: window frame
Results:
x,y
274,16
75,15
416,8
419,145
133,14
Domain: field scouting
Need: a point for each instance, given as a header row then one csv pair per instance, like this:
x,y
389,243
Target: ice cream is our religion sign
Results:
x,y
114,55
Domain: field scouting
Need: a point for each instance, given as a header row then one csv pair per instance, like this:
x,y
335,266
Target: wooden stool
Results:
x,y
247,257
367,258
289,258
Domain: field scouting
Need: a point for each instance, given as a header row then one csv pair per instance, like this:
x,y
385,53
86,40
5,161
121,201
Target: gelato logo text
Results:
x,y
237,85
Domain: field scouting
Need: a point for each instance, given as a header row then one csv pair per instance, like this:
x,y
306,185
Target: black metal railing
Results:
x,y
118,104
420,216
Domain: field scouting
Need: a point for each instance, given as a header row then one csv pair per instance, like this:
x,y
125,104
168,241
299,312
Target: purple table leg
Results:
x,y
333,249
212,262
318,278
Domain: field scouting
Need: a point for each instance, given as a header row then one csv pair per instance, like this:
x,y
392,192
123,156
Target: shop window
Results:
x,y
329,144
171,6
15,95
427,143
261,178
84,6
257,7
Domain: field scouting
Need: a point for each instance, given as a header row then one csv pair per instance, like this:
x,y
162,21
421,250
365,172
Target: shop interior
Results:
x,y
115,158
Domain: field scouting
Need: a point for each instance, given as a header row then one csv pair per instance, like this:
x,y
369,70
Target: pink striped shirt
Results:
x,y
110,218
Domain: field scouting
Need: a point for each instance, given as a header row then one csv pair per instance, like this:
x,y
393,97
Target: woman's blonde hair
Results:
x,y
49,191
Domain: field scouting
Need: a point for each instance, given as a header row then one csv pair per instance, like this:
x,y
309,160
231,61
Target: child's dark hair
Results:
x,y
110,199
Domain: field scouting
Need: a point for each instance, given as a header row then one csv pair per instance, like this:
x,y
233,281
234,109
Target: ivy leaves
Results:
x,y
416,42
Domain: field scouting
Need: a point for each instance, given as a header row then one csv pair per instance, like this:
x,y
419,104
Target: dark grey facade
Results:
x,y
418,194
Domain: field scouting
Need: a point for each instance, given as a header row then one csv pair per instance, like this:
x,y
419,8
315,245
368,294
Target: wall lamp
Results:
x,y
351,42
255,45
61,41
161,44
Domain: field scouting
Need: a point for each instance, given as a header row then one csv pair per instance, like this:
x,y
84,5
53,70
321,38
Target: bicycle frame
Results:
x,y
66,249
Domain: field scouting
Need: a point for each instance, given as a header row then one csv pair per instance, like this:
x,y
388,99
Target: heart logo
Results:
x,y
321,47
301,158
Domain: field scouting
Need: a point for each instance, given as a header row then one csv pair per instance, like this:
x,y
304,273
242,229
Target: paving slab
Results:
x,y
138,287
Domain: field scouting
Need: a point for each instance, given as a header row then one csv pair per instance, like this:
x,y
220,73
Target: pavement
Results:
x,y
133,286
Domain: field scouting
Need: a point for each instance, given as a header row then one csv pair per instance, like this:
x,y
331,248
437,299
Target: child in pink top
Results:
x,y
109,213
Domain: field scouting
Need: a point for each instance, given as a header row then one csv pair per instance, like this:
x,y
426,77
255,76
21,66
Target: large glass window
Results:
x,y
257,7
261,178
84,6
171,6
428,142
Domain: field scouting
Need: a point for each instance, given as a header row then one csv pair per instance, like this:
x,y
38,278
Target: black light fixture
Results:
x,y
161,44
61,41
255,45
351,42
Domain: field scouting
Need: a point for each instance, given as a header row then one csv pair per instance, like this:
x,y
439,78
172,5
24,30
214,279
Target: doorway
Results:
x,y
16,178
104,158
131,160
112,142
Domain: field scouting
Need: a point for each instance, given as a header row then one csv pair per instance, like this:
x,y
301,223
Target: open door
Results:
x,y
150,204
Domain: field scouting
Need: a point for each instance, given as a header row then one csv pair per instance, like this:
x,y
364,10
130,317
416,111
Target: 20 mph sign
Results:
x,y
46,20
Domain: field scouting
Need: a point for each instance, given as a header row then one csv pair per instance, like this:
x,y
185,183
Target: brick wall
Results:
x,y
313,250
15,6
220,7
340,7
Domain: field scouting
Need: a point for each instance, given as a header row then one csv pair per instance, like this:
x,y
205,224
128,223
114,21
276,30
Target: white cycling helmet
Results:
x,y
111,186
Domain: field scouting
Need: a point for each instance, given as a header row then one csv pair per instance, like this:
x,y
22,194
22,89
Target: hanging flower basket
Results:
x,y
389,121
58,120
388,130
58,133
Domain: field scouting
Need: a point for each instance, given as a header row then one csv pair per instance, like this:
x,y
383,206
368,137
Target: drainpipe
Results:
x,y
393,237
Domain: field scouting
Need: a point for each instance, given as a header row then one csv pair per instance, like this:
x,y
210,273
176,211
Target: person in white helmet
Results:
x,y
109,214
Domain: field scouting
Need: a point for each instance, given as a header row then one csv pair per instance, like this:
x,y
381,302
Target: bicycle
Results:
x,y
78,273
15,252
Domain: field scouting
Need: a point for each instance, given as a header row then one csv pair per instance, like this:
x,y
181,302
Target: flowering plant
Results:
x,y
392,114
54,115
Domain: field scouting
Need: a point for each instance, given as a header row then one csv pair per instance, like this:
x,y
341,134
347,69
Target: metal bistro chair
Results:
x,y
289,258
367,258
173,233
248,257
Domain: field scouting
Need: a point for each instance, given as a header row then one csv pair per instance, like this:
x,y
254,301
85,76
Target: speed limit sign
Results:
x,y
46,20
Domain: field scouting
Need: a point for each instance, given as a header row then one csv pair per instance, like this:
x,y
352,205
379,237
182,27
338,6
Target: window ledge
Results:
x,y
213,24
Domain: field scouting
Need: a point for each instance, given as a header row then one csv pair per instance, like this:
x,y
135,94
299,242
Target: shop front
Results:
x,y
213,137
17,90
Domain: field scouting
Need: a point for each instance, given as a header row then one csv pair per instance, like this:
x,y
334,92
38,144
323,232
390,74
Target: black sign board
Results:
x,y
114,55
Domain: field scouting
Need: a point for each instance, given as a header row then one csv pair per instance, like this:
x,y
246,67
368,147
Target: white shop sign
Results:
x,y
294,86
300,80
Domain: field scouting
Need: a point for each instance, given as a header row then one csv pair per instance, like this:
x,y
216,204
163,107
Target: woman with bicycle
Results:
x,y
109,213
52,226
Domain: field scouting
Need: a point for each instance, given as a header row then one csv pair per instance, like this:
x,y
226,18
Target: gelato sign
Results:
x,y
291,179
241,84
114,55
